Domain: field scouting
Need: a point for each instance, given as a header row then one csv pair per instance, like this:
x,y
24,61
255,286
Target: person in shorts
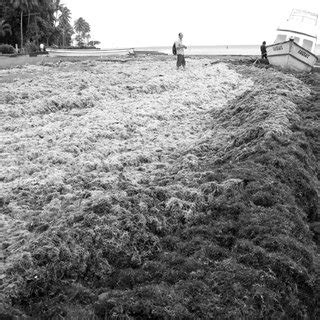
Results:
x,y
180,52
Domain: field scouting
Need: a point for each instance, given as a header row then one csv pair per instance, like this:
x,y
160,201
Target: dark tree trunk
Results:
x,y
21,29
28,20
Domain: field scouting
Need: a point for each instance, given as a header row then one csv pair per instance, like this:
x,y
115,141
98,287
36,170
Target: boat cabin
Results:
x,y
301,27
301,40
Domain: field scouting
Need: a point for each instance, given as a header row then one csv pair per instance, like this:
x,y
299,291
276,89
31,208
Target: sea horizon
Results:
x,y
210,49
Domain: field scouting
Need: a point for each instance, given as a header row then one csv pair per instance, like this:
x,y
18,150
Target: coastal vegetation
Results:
x,y
82,29
135,192
40,21
6,49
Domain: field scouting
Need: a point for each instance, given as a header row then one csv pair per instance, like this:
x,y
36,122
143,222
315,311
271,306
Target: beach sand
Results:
x,y
132,189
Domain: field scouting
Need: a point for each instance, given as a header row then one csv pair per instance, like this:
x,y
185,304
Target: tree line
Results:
x,y
41,21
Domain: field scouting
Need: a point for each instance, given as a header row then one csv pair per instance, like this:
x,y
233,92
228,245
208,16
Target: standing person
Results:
x,y
263,50
42,47
180,52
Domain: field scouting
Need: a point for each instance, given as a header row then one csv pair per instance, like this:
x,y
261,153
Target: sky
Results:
x,y
140,23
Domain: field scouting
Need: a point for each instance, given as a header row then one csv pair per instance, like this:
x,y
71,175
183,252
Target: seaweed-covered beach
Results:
x,y
131,190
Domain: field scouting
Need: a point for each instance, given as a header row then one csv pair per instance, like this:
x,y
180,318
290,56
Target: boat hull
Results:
x,y
290,55
88,52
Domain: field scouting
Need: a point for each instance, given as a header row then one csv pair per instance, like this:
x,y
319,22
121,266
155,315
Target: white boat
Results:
x,y
89,52
295,43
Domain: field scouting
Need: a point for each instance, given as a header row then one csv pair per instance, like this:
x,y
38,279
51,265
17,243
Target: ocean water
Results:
x,y
253,50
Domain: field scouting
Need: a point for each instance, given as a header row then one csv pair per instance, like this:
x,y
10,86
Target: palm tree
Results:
x,y
31,18
46,19
79,25
82,27
5,28
37,6
56,8
31,5
64,23
65,16
23,5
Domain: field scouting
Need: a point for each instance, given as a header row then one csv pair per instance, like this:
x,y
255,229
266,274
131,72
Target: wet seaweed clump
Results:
x,y
225,230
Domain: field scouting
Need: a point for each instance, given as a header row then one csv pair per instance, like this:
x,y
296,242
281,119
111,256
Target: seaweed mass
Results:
x,y
130,191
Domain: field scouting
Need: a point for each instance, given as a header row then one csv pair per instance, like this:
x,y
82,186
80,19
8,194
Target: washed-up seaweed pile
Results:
x,y
210,221
64,129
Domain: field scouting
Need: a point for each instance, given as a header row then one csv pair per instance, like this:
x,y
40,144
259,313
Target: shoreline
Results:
x,y
12,62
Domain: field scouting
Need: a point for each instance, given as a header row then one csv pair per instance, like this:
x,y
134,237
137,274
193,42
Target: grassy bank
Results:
x,y
138,192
